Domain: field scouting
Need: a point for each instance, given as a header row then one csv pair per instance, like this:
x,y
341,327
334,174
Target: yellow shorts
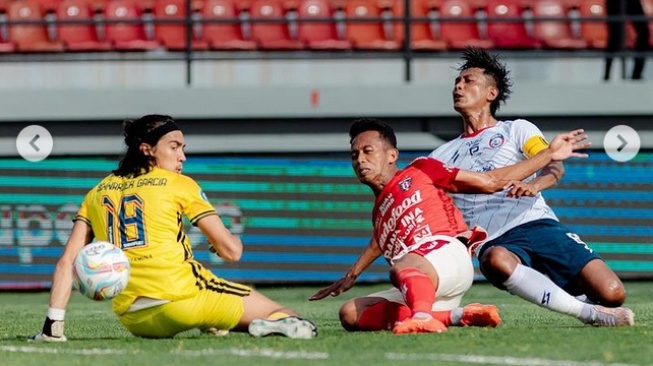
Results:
x,y
220,307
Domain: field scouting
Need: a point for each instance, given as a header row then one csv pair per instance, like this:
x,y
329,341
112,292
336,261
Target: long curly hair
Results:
x,y
134,162
479,58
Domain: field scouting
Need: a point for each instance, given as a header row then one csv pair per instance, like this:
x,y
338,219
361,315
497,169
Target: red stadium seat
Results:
x,y
367,34
272,32
421,34
127,35
173,35
508,34
97,5
48,5
460,33
319,35
30,37
224,36
595,33
648,10
5,45
78,37
554,33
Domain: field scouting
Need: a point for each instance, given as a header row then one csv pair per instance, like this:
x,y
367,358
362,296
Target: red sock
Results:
x,y
444,316
382,316
417,288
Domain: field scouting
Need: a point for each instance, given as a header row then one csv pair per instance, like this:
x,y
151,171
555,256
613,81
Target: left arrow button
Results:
x,y
26,143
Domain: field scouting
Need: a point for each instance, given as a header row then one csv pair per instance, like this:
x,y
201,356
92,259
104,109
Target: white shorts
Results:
x,y
455,272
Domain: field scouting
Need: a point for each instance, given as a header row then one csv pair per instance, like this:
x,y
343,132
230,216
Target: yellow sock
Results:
x,y
277,315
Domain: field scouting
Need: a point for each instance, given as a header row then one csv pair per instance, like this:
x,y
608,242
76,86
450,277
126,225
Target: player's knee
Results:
x,y
348,315
497,264
614,295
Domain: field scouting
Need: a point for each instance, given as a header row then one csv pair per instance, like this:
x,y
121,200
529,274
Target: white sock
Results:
x,y
56,314
456,316
422,315
535,287
583,298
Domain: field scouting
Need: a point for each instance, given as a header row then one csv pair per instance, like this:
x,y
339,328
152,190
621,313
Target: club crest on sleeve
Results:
x,y
203,195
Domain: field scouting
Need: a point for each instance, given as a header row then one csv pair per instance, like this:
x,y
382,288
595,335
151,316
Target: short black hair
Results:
x,y
372,124
474,57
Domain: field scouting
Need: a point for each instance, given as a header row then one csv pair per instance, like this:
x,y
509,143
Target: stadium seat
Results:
x,y
97,5
30,37
173,35
48,6
319,35
367,33
508,34
270,26
5,45
554,33
227,35
78,37
595,33
648,10
460,33
128,35
421,32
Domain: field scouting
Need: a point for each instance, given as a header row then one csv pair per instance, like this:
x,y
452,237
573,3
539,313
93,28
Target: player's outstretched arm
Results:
x,y
62,283
562,147
228,246
369,255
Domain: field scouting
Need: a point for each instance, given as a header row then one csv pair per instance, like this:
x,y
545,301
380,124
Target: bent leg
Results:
x,y
383,310
504,269
497,265
259,306
600,284
372,314
263,316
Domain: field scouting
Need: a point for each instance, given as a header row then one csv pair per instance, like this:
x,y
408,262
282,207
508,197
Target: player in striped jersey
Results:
x,y
528,252
139,208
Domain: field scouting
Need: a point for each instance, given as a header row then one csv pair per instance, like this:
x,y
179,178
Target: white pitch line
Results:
x,y
265,352
492,360
87,352
239,352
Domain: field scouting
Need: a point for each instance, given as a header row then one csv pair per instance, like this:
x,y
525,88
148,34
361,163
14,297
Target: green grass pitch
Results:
x,y
529,335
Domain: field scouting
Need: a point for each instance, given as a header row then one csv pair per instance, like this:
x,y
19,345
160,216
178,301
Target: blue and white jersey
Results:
x,y
506,143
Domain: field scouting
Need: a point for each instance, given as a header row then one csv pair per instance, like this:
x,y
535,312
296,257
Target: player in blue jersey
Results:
x,y
529,252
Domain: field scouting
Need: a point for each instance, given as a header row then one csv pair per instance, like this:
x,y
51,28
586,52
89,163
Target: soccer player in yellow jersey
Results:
x,y
139,208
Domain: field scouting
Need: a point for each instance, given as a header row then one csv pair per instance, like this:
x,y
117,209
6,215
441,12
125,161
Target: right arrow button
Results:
x,y
621,143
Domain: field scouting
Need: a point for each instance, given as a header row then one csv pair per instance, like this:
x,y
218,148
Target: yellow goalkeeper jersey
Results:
x,y
143,216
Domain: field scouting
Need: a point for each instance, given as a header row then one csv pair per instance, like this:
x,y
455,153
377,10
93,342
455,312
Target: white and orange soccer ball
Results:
x,y
101,271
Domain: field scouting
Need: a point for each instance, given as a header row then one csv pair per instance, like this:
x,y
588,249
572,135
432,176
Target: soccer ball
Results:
x,y
100,271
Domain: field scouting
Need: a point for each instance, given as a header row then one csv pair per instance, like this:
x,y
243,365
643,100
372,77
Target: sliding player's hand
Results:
x,y
335,288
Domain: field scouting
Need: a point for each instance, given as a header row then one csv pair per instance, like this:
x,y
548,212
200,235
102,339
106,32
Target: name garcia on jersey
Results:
x,y
121,186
